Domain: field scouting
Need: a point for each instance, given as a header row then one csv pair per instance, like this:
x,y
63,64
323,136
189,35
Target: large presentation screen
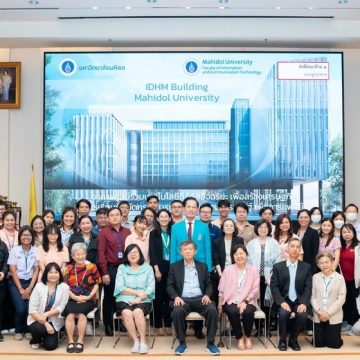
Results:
x,y
265,128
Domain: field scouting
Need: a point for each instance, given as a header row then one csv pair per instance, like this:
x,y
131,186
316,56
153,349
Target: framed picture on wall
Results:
x,y
10,85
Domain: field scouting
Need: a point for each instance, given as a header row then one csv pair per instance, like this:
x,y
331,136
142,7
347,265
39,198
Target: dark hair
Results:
x,y
354,242
301,211
34,219
242,205
126,253
262,210
188,242
223,202
66,210
86,217
331,233
313,209
190,198
236,231
48,268
124,202
112,209
336,214
86,201
277,231
7,213
152,197
26,228
52,228
207,205
48,211
139,219
176,201
351,204
150,209
157,225
2,202
235,248
101,211
259,223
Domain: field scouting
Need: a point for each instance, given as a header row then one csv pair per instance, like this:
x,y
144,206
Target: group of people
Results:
x,y
172,263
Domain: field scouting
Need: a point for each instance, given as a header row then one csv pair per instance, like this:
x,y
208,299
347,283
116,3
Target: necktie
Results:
x,y
190,231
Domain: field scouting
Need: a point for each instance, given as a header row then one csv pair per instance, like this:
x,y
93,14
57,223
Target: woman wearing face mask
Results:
x,y
338,218
351,213
316,215
350,268
329,242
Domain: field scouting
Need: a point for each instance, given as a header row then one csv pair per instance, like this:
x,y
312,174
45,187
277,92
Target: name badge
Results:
x,y
167,257
120,254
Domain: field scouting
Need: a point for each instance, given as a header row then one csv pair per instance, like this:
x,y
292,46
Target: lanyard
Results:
x,y
118,238
76,277
327,282
166,240
13,241
50,299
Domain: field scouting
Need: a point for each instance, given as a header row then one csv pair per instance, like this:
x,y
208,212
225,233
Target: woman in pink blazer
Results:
x,y
238,294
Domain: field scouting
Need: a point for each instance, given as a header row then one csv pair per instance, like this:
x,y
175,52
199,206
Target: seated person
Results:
x,y
189,288
328,297
47,301
238,292
291,289
134,291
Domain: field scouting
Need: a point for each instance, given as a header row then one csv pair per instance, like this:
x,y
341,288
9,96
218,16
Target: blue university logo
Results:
x,y
191,67
67,67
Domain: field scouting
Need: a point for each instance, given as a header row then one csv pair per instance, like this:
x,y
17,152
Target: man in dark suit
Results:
x,y
189,288
290,285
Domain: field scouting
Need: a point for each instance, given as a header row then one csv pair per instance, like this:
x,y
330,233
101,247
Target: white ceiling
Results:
x,y
290,23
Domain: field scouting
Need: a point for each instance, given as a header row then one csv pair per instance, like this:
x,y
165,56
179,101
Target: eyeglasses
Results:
x,y
26,235
133,252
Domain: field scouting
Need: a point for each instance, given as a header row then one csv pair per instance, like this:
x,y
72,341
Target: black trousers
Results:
x,y
40,335
328,335
351,314
299,321
7,309
264,308
162,311
247,318
2,298
109,300
208,311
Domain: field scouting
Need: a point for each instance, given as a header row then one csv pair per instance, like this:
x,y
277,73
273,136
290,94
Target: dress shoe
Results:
x,y
109,331
199,335
282,345
294,345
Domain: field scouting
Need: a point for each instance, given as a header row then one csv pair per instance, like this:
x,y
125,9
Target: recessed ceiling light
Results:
x,y
128,7
311,8
95,7
187,7
277,7
34,2
221,7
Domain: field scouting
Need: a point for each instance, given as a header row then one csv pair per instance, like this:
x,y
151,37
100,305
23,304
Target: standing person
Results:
x,y
153,202
47,302
2,210
9,234
224,210
134,291
6,82
189,288
24,272
124,206
159,247
177,209
85,236
49,217
267,213
290,285
52,249
83,207
264,253
111,248
350,268
193,230
102,220
316,215
328,242
4,255
140,236
245,229
327,299
351,214
68,224
206,211
309,238
238,293
38,225
338,218
150,216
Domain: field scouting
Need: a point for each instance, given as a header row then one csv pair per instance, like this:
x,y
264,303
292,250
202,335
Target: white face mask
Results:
x,y
338,224
351,216
315,219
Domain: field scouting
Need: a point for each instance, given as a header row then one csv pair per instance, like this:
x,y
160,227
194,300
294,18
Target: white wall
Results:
x,y
21,130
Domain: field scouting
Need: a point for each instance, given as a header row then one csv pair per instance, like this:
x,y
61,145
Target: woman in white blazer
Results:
x,y
327,299
47,302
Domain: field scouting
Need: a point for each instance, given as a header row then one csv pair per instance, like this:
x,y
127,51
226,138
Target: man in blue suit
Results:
x,y
193,230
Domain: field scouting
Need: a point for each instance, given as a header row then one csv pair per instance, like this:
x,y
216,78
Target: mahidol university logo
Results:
x,y
68,67
191,67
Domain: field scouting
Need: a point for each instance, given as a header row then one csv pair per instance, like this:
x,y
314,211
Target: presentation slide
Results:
x,y
265,128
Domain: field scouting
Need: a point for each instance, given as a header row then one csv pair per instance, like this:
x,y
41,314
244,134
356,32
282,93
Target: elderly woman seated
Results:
x,y
134,291
238,293
83,279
